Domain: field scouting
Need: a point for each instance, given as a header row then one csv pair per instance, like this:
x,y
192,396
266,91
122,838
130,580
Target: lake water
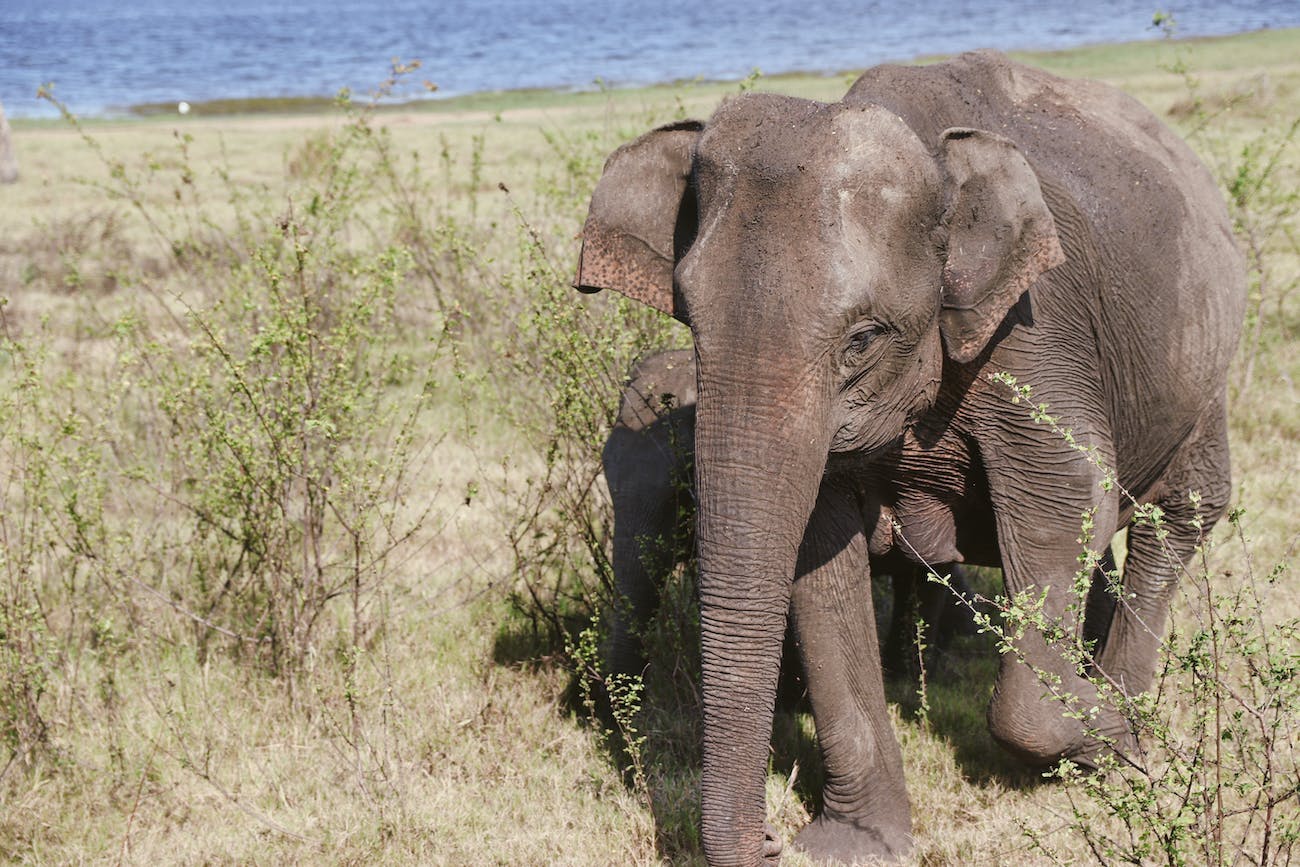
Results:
x,y
105,55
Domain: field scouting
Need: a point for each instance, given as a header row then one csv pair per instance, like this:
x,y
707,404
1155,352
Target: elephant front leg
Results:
x,y
645,473
867,812
644,554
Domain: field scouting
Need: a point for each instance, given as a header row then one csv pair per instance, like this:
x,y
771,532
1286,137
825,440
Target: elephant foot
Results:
x,y
1040,729
832,839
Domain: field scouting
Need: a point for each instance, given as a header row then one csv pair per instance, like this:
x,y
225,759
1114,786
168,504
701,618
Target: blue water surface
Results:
x,y
104,55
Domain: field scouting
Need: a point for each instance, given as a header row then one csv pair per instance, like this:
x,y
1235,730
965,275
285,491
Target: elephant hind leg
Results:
x,y
900,642
1041,693
1159,553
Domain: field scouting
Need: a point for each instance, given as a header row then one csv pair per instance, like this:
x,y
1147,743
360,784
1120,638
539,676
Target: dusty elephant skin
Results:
x,y
648,460
852,274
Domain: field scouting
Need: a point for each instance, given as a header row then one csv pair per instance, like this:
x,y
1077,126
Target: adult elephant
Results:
x,y
853,273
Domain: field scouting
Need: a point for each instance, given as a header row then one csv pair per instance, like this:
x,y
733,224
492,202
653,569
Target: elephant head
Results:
x,y
827,260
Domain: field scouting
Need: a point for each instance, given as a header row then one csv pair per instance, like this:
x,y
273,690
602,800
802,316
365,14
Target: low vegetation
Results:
x,y
304,546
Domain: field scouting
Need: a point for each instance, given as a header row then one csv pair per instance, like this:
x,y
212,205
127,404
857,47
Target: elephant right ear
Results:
x,y
642,215
1001,237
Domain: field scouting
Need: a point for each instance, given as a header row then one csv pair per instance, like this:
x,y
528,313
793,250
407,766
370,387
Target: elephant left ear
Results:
x,y
1001,237
642,213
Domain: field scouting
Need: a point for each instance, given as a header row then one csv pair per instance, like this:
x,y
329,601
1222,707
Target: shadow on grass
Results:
x,y
959,685
659,756
664,741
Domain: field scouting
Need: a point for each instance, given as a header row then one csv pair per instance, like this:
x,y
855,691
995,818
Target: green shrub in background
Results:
x,y
283,442
57,598
231,464
27,653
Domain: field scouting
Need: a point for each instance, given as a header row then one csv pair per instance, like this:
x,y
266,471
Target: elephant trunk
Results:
x,y
760,455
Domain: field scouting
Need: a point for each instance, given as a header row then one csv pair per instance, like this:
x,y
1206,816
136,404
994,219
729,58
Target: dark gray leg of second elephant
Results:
x,y
899,645
946,609
648,535
917,598
643,554
866,812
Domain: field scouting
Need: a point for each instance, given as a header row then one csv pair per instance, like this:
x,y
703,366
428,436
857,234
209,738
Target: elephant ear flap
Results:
x,y
1001,237
642,215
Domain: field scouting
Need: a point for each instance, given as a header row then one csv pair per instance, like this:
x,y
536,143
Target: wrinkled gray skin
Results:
x,y
853,273
648,462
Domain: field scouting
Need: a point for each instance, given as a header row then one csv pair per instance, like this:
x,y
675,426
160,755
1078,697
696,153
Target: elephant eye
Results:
x,y
861,339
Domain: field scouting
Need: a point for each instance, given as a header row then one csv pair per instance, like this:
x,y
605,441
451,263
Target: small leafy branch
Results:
x,y
623,692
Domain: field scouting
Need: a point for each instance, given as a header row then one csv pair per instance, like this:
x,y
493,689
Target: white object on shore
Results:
x,y
8,161
183,107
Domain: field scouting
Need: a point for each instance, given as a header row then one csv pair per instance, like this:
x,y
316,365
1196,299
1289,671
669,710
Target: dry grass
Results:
x,y
452,742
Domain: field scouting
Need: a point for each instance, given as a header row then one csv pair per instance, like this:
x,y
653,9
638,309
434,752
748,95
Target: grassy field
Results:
x,y
299,509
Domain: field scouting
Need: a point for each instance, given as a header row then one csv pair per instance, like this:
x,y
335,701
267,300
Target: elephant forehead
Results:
x,y
761,129
839,162
776,134
877,154
811,204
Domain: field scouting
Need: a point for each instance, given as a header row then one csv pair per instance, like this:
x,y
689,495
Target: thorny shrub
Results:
x,y
224,461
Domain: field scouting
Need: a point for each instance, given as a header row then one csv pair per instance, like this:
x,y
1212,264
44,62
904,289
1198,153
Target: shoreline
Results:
x,y
495,101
